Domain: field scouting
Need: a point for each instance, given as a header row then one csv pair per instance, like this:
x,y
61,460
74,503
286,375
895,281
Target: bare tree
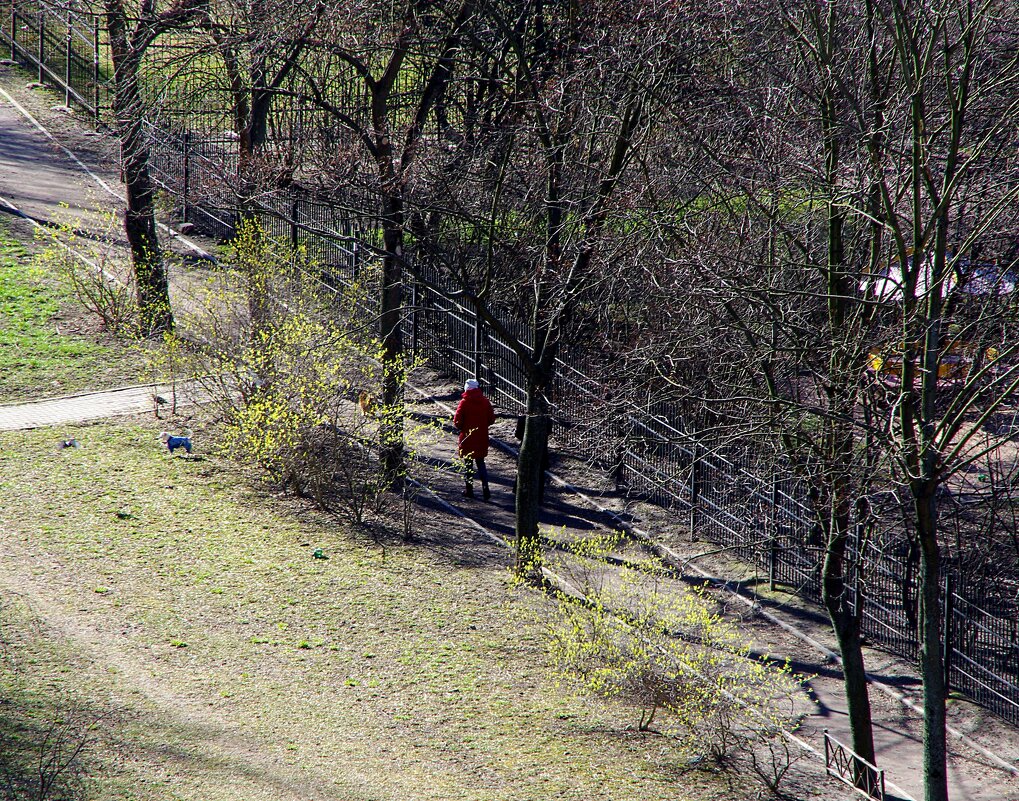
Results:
x,y
946,188
260,45
378,71
131,32
528,196
855,249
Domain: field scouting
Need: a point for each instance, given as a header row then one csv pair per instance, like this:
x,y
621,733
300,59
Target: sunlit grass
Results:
x,y
42,348
392,672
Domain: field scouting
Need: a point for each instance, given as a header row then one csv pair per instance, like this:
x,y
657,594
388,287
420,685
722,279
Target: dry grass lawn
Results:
x,y
182,604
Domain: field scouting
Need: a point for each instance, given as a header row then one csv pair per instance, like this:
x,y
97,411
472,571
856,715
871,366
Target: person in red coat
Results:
x,y
473,415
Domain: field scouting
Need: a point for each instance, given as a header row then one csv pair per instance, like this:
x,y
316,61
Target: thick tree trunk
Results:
x,y
545,331
845,621
151,281
533,447
932,665
258,129
392,337
250,128
857,691
534,452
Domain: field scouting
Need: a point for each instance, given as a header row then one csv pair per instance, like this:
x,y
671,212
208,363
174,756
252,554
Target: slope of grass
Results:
x,y
47,345
232,660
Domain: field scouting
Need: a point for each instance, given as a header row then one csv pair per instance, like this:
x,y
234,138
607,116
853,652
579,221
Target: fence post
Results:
x,y
69,54
478,338
772,558
14,30
695,489
294,227
414,300
42,41
857,567
947,626
773,532
185,190
95,68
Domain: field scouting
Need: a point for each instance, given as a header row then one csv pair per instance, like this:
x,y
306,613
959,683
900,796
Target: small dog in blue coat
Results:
x,y
182,441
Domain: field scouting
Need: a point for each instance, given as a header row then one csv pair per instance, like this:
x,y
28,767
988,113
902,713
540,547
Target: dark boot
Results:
x,y
484,491
469,491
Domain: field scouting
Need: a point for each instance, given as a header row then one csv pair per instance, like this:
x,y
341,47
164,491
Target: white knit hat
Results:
x,y
470,384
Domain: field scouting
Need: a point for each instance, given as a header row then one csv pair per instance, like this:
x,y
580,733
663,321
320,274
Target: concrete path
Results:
x,y
43,182
92,406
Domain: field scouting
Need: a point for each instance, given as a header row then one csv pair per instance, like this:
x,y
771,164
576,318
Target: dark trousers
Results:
x,y
472,466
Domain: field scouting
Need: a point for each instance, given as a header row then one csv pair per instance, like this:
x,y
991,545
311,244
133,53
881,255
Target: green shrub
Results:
x,y
650,643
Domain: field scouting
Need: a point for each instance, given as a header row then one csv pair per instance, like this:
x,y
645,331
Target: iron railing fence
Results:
x,y
61,46
195,172
730,497
983,654
844,764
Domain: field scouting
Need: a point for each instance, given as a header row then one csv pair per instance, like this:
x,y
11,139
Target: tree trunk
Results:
x,y
857,692
845,621
392,337
529,477
843,368
932,666
151,281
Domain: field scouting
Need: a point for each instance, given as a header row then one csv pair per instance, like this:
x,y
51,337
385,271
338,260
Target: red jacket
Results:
x,y
473,416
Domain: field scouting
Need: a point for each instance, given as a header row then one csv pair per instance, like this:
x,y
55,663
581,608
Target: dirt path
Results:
x,y
224,747
39,178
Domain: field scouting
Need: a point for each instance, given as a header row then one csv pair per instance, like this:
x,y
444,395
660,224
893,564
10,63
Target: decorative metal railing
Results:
x,y
850,768
61,46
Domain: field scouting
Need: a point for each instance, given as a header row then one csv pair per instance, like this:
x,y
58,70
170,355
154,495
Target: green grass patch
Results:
x,y
241,664
47,345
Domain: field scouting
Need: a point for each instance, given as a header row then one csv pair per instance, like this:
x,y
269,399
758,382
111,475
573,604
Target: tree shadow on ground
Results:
x,y
46,743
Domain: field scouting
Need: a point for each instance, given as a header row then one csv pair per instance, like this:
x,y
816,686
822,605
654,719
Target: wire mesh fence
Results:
x,y
727,493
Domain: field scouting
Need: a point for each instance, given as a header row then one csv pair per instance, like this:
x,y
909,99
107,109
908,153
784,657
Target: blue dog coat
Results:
x,y
179,442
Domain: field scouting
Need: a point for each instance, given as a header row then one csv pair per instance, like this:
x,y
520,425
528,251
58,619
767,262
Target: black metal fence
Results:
x,y
844,764
61,46
727,496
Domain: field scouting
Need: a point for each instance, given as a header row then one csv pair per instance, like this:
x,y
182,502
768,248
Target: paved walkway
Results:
x,y
44,182
91,406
